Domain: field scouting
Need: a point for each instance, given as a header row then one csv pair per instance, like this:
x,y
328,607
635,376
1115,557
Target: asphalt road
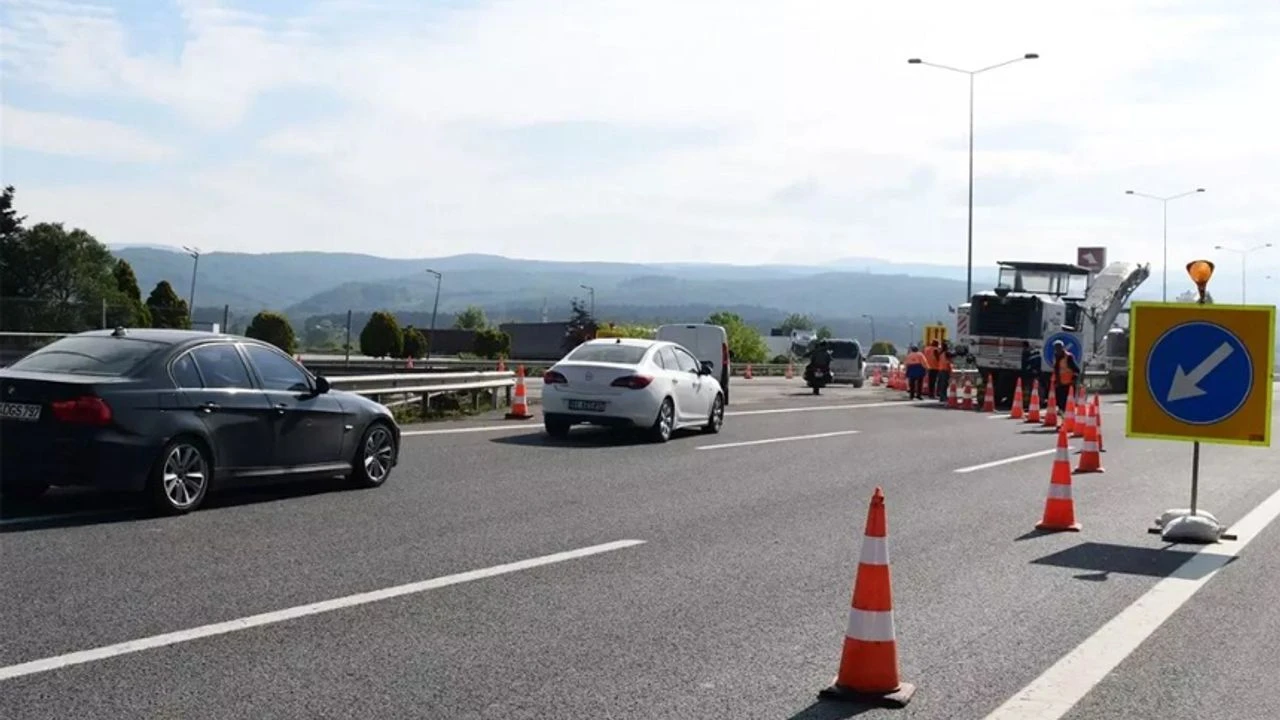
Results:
x,y
731,603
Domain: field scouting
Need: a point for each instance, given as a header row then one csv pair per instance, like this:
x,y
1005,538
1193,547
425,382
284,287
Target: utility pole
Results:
x,y
1244,265
591,290
436,306
194,252
1164,202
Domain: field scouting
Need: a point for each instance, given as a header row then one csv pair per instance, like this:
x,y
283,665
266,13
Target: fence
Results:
x,y
401,389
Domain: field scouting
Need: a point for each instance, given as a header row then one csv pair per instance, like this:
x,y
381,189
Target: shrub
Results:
x,y
492,343
381,336
414,344
273,327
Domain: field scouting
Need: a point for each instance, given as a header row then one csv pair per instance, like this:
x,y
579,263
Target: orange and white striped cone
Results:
x,y
953,395
1082,407
1097,422
989,399
746,375
408,363
1069,422
967,404
502,364
1015,413
1033,415
1089,461
1059,507
1051,416
869,658
519,403
791,371
875,378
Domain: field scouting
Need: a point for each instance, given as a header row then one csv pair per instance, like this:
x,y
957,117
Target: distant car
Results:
x,y
884,363
651,385
708,343
178,413
846,361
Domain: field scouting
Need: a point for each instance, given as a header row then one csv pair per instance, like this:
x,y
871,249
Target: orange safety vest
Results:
x,y
917,358
944,362
931,355
1066,376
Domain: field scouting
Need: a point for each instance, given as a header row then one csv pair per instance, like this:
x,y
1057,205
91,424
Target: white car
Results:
x,y
884,363
651,385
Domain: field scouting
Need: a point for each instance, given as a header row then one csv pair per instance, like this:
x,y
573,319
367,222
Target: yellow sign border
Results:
x,y
1189,432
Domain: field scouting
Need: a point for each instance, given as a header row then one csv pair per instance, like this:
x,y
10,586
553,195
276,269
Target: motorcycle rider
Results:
x,y
819,359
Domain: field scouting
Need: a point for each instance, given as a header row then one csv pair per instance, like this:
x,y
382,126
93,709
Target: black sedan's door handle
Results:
x,y
209,406
280,408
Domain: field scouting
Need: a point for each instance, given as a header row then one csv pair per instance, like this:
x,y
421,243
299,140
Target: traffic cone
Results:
x,y
519,405
875,378
967,404
953,395
1069,422
408,363
791,372
1059,508
1097,422
1033,416
1082,408
989,400
1089,461
746,375
502,364
869,659
1016,412
1051,417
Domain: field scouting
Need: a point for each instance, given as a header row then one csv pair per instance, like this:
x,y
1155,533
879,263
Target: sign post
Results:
x,y
1200,373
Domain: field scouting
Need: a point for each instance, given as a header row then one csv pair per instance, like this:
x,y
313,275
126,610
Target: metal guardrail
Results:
x,y
401,389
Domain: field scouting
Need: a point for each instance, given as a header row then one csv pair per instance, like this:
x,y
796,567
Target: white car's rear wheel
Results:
x,y
665,423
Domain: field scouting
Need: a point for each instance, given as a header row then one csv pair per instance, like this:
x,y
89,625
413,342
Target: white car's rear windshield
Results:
x,y
621,354
883,359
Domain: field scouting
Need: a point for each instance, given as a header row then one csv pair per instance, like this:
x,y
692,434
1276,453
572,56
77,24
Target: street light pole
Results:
x,y
591,290
873,328
968,292
194,252
1244,265
1164,202
434,307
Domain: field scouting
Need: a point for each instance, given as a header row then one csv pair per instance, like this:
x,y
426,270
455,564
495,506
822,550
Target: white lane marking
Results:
x,y
1068,681
1006,461
277,616
739,413
768,441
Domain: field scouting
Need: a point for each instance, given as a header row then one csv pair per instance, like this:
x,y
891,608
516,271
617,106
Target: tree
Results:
x,y
381,336
414,344
1191,296
883,347
746,345
625,331
273,327
492,343
824,333
796,321
136,313
10,221
166,308
582,327
471,319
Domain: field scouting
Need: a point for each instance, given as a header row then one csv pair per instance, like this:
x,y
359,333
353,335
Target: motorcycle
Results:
x,y
817,377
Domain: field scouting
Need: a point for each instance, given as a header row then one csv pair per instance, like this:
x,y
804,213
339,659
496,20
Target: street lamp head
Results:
x,y
1031,56
1128,192
1199,189
1218,247
915,61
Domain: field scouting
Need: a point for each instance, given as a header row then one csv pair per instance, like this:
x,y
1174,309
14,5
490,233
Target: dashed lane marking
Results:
x,y
1006,461
768,441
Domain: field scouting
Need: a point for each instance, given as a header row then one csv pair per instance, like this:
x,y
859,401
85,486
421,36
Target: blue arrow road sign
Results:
x,y
1070,342
1199,373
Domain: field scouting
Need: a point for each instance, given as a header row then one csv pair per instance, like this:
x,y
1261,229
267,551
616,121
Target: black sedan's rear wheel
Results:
x,y
180,480
375,456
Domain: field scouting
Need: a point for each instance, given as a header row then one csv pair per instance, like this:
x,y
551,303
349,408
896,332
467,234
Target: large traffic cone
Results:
x,y
1089,461
519,405
746,375
1082,407
1069,422
1016,412
967,404
1051,417
1097,422
953,395
1033,416
989,399
1059,508
869,659
875,378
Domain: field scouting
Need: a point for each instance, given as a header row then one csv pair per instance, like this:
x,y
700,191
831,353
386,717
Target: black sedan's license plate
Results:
x,y
20,411
587,405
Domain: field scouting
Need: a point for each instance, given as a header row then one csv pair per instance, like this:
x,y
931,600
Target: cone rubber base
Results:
x,y
513,416
896,699
1078,471
1073,527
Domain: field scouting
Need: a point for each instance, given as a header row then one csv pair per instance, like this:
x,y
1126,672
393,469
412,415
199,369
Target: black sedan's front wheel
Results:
x,y
180,480
375,456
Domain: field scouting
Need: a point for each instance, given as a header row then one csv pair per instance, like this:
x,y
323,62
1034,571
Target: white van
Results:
x,y
708,343
847,361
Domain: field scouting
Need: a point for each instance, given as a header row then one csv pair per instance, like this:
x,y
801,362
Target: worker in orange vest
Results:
x,y
945,357
931,352
1066,372
917,369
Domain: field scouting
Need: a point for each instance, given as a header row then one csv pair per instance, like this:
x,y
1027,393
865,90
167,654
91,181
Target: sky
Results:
x,y
743,131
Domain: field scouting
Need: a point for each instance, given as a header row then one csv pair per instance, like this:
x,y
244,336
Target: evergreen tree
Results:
x,y
167,309
273,327
381,336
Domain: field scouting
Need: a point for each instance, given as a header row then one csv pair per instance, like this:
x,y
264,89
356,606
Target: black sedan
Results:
x,y
177,413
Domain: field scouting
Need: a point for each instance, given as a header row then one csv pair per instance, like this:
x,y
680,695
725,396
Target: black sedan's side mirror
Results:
x,y
322,385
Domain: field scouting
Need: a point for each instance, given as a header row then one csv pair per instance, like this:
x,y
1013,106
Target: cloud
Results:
x,y
743,130
56,134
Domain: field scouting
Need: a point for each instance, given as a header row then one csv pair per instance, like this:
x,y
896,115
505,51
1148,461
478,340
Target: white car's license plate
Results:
x,y
20,411
587,405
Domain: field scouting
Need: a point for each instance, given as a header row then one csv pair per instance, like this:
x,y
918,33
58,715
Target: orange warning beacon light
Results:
x,y
1201,271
